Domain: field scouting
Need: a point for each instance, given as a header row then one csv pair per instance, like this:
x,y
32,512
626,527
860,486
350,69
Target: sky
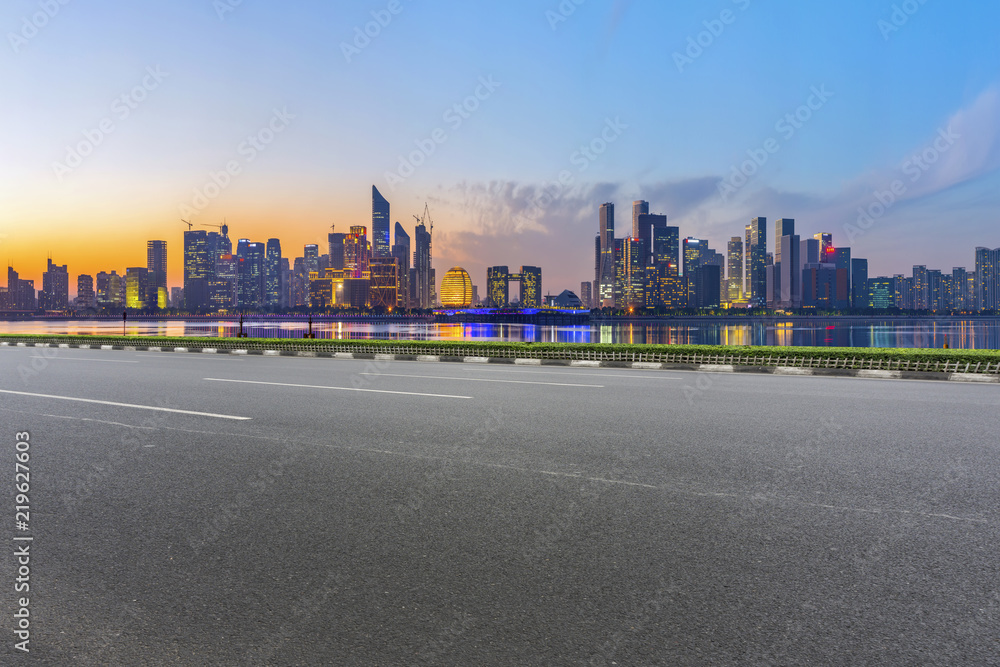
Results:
x,y
875,120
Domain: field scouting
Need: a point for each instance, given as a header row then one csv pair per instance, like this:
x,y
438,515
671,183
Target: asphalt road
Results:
x,y
219,510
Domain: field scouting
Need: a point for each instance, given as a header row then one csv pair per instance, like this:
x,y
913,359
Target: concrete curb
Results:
x,y
792,371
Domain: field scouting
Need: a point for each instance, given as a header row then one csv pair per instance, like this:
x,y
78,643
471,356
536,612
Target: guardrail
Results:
x,y
448,350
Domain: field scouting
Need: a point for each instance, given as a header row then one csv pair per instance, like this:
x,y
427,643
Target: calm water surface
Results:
x,y
922,333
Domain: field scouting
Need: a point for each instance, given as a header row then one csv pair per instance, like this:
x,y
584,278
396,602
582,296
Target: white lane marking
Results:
x,y
124,405
313,386
436,377
103,361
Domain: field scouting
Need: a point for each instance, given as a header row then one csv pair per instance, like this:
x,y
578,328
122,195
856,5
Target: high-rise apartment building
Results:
x,y
55,288
988,279
497,287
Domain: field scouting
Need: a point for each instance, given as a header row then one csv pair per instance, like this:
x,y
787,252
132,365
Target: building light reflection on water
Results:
x,y
929,333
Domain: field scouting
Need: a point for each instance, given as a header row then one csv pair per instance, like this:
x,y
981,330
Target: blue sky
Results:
x,y
559,75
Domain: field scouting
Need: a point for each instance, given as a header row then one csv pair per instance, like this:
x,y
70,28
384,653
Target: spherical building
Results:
x,y
456,288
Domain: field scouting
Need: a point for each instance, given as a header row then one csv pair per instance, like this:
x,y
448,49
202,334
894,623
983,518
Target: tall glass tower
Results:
x,y
380,225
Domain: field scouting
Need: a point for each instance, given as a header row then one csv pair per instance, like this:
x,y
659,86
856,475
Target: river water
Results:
x,y
846,332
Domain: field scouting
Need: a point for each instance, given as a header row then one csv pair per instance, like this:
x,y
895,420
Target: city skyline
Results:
x,y
239,122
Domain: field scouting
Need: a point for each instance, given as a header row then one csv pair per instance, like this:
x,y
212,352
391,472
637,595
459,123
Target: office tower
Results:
x,y
638,208
136,287
987,279
704,285
177,298
825,246
272,274
380,225
384,283
808,252
586,293
666,243
881,293
649,228
156,265
108,290
356,251
530,283
310,255
222,287
401,251
55,288
198,268
422,275
782,227
787,272
598,263
694,249
286,284
606,272
497,287
630,273
250,260
336,249
734,286
300,283
85,297
20,293
757,258
860,289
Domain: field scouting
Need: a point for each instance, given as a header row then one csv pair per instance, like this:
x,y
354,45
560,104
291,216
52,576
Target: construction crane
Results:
x,y
188,223
427,222
223,227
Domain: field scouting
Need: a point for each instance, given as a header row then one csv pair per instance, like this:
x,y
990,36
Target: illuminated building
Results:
x,y
156,264
198,267
136,287
222,288
881,294
987,279
735,267
605,275
380,225
384,272
693,251
422,281
586,290
666,289
320,292
356,251
497,287
531,286
757,259
401,252
250,275
665,240
456,288
859,283
630,272
272,274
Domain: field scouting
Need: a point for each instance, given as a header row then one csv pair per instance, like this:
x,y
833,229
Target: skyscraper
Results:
x,y
782,227
694,250
606,273
250,274
401,251
497,287
638,208
421,287
860,291
988,279
198,269
735,266
156,265
272,274
55,287
758,262
356,251
380,225
531,286
136,287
